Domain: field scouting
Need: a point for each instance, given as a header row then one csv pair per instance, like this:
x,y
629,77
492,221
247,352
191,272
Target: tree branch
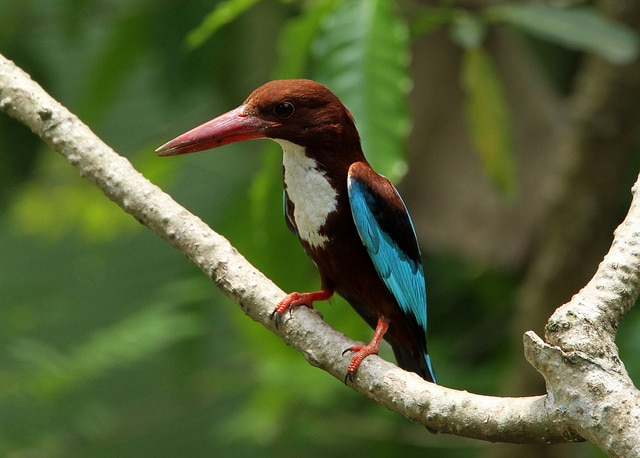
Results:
x,y
580,363
538,419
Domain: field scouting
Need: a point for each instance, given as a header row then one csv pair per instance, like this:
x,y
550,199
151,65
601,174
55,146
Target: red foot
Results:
x,y
365,350
293,300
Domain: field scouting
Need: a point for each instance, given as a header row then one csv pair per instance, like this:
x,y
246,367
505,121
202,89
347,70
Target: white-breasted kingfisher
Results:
x,y
350,220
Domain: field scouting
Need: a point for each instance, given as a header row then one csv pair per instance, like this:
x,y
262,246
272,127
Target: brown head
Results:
x,y
300,111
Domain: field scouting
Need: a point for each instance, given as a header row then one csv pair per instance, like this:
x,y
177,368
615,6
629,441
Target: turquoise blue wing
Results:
x,y
387,232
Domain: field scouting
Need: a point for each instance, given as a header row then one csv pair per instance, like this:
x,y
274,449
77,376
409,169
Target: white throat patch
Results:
x,y
310,191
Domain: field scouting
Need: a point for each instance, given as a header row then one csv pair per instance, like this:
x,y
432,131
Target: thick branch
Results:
x,y
516,420
581,364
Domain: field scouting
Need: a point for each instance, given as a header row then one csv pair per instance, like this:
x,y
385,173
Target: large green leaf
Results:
x,y
584,29
362,54
488,119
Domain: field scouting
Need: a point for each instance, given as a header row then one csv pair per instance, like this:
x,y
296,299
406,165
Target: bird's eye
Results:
x,y
284,110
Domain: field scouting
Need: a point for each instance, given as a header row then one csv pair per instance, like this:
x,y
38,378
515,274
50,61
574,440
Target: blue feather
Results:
x,y
396,260
401,274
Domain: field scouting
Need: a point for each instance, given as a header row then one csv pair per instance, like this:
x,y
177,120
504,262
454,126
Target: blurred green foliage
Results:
x,y
112,344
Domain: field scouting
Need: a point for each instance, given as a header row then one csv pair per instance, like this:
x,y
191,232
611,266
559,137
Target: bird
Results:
x,y
350,220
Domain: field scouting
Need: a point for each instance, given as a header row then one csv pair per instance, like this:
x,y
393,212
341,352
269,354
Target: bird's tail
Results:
x,y
420,364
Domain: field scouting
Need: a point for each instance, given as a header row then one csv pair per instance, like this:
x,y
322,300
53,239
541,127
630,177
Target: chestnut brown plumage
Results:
x,y
350,220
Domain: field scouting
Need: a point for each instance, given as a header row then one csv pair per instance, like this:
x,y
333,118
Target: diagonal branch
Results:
x,y
516,420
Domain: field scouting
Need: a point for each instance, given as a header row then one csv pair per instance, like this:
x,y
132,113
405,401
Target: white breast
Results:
x,y
309,189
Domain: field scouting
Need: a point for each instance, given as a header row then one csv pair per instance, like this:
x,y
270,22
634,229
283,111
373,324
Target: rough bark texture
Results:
x,y
590,395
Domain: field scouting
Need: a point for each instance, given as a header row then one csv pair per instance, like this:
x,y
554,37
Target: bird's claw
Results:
x,y
350,376
289,302
277,316
346,350
362,351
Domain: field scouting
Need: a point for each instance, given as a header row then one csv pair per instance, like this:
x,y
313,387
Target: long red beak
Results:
x,y
234,126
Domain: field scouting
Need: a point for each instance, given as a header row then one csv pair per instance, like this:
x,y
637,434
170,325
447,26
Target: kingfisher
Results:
x,y
350,220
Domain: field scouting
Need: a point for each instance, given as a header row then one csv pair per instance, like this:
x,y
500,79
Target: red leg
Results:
x,y
292,300
366,350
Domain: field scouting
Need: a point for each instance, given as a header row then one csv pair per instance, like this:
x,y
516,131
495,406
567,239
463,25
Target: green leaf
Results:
x,y
488,119
297,37
363,55
583,29
224,13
